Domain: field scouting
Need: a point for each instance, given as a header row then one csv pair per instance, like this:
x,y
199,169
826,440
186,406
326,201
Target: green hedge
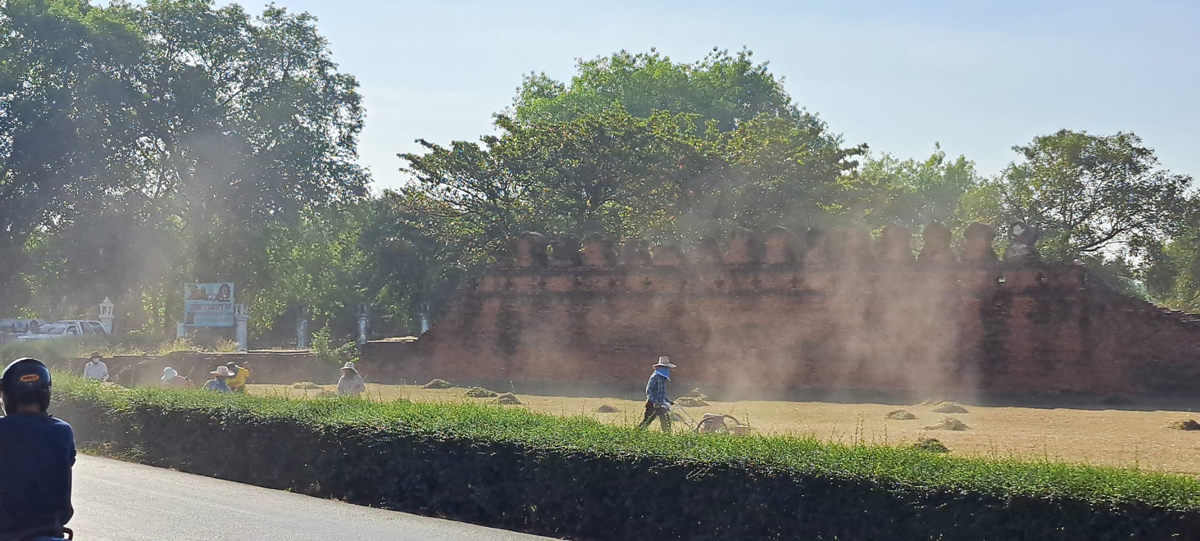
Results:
x,y
581,479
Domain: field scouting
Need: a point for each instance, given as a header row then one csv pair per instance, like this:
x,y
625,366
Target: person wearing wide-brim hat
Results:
x,y
351,383
657,403
237,382
95,367
220,375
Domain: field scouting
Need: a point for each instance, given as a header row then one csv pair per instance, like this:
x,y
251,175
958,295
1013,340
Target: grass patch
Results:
x,y
930,445
896,469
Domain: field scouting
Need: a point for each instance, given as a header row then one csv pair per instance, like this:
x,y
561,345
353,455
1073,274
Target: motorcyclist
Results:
x,y
37,452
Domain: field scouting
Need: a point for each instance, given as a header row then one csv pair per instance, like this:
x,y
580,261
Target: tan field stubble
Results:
x,y
1107,437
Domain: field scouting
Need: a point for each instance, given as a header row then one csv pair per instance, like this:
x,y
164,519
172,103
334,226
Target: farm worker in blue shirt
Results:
x,y
657,404
218,382
37,453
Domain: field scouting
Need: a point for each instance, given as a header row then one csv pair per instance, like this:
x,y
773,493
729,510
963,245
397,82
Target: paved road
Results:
x,y
130,502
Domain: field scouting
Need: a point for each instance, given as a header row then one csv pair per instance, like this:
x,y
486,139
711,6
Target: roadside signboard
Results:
x,y
208,305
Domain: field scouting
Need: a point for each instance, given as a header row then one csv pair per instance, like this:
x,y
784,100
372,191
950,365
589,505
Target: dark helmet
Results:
x,y
25,381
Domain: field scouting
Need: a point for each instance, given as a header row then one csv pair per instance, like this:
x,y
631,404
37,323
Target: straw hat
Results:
x,y
349,366
222,371
664,361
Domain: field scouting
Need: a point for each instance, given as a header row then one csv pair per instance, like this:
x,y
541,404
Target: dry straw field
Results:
x,y
1109,437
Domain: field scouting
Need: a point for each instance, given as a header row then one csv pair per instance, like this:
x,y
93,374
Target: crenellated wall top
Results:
x,y
845,248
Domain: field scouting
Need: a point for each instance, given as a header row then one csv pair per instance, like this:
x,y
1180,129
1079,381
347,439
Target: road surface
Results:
x,y
118,501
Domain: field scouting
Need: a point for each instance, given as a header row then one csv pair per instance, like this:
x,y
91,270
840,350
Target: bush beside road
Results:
x,y
579,478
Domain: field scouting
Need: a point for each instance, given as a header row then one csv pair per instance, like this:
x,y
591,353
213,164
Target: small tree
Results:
x,y
325,350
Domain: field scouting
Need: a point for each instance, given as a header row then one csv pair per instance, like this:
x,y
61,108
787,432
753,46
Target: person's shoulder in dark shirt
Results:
x,y
36,456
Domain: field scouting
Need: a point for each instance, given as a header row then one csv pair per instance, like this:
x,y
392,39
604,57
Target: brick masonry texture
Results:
x,y
761,319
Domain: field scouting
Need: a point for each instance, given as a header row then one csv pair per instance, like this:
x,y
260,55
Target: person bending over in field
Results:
x,y
657,403
172,379
240,375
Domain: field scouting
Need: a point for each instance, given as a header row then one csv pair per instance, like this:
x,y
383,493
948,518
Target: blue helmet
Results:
x,y
25,381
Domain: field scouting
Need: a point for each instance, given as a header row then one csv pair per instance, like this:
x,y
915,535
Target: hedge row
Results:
x,y
581,479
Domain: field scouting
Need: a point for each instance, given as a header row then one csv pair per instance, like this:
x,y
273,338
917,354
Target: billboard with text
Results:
x,y
208,305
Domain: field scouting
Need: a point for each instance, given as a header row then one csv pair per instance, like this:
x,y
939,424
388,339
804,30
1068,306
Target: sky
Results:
x,y
975,77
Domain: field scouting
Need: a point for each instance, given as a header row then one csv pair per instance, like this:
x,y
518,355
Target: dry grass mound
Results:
x,y
1185,424
480,392
949,423
327,394
931,445
900,415
507,399
695,393
605,408
437,384
948,407
305,385
690,402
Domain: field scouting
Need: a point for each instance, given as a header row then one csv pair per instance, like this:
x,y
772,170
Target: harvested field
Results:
x,y
1109,437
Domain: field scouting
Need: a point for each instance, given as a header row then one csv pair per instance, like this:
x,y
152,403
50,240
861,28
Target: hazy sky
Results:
x,y
899,76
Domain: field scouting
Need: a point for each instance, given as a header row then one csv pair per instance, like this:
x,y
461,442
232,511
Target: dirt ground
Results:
x,y
1110,437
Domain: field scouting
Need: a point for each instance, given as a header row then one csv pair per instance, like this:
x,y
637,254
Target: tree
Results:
x,y
911,193
1088,193
68,117
195,131
725,88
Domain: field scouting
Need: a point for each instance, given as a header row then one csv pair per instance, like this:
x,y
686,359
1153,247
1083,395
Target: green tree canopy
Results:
x,y
722,87
1088,193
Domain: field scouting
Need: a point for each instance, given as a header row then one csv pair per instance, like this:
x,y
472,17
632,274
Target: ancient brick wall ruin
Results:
x,y
832,311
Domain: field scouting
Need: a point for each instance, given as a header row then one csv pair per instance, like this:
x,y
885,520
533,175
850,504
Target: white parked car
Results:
x,y
67,328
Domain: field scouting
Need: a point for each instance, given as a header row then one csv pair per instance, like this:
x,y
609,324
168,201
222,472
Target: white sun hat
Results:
x,y
664,361
222,371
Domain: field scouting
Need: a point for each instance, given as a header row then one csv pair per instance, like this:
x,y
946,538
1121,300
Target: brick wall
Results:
x,y
759,319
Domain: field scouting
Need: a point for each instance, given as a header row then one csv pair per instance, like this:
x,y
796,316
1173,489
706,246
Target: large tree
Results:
x,y
1090,194
198,129
726,88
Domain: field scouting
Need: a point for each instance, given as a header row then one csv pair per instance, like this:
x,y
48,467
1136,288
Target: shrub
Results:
x,y
325,351
571,477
